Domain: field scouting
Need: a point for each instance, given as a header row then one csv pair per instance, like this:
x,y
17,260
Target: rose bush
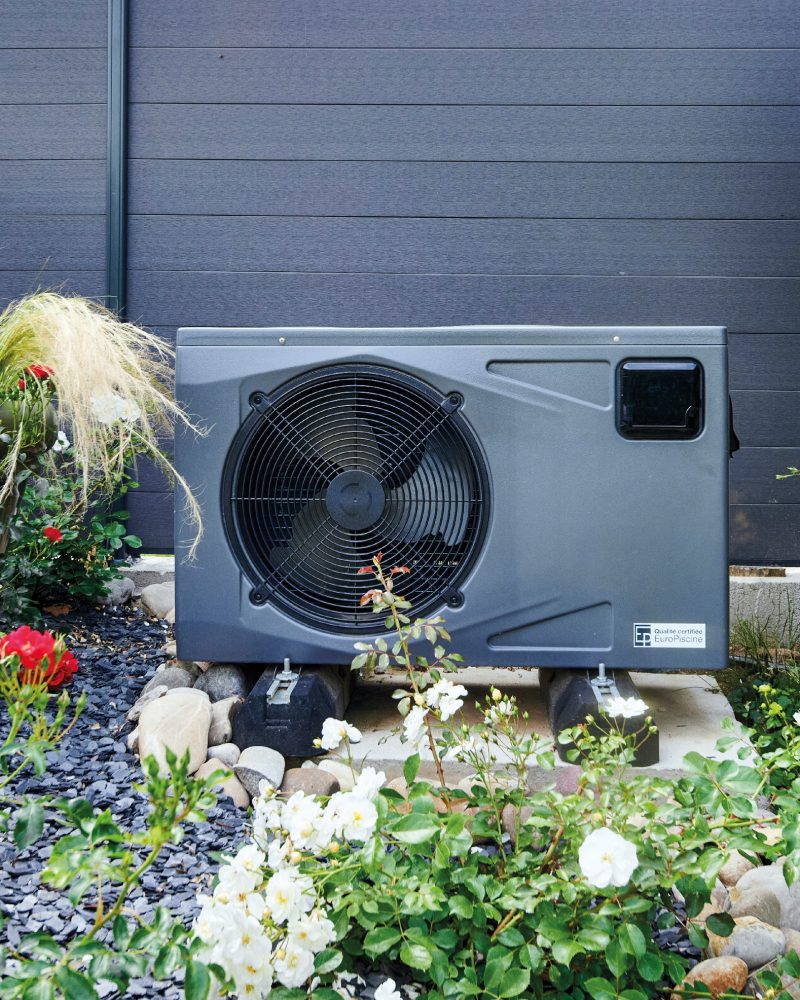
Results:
x,y
485,889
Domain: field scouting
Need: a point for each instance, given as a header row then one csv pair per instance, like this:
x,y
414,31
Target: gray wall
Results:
x,y
52,146
436,162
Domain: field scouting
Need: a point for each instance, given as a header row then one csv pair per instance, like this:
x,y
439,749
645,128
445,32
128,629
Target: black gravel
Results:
x,y
117,651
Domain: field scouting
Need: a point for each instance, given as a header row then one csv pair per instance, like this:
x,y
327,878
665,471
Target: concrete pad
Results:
x,y
687,708
149,569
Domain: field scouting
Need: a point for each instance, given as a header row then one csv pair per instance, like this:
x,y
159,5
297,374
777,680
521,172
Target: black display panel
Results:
x,y
660,399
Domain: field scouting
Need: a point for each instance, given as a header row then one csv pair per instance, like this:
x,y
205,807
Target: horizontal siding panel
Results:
x,y
764,361
57,187
234,131
42,23
151,517
767,418
753,472
14,284
53,76
71,242
765,534
464,76
769,305
466,23
430,246
489,190
52,132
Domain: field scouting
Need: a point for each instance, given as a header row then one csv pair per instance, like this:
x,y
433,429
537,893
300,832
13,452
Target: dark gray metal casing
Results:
x,y
590,533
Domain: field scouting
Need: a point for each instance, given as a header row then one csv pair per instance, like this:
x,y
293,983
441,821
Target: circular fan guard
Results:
x,y
338,465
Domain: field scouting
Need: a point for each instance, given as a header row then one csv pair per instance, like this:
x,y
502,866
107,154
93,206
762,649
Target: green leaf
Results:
x,y
410,768
75,985
380,939
29,825
416,957
593,938
197,983
515,981
327,961
565,951
39,989
415,828
650,967
721,924
121,932
461,907
632,940
600,989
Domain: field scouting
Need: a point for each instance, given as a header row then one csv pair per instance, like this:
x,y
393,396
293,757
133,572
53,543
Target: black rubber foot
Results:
x,y
288,715
571,697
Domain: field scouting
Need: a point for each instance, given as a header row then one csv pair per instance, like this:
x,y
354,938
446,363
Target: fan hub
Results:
x,y
355,500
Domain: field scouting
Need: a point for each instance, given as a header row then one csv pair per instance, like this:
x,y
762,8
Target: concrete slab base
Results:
x,y
687,708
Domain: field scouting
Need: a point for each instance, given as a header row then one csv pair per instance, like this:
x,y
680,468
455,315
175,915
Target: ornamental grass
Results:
x,y
110,382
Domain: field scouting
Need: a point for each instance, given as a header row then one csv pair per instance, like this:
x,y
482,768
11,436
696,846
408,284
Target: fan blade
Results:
x,y
347,441
433,501
304,551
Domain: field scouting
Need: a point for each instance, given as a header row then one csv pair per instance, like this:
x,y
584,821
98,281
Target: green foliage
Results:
x,y
94,861
36,571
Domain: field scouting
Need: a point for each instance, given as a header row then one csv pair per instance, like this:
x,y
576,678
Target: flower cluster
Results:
x,y
109,407
41,373
265,919
443,699
40,656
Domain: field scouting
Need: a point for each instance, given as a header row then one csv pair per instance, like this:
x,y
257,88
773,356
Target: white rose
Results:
x,y
447,698
289,894
628,708
335,731
61,442
606,859
110,406
358,817
312,931
296,967
369,783
414,726
387,991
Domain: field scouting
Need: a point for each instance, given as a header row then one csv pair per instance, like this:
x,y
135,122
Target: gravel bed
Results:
x,y
117,651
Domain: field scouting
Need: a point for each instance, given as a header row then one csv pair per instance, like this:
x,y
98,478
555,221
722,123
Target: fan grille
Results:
x,y
340,464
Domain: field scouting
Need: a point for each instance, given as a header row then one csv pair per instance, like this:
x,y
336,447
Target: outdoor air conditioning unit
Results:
x,y
559,493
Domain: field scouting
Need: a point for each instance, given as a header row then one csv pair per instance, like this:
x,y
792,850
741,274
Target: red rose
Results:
x,y
41,656
21,384
41,372
53,534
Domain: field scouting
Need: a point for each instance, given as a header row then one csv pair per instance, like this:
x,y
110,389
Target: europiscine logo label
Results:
x,y
669,635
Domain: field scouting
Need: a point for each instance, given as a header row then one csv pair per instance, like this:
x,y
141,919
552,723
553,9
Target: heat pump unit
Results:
x,y
559,494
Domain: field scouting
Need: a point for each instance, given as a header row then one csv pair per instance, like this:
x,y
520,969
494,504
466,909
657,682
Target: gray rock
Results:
x,y
118,591
136,708
792,939
227,753
179,720
755,942
257,764
170,677
170,648
340,771
311,780
222,713
733,869
761,903
132,741
158,599
223,680
230,784
771,877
